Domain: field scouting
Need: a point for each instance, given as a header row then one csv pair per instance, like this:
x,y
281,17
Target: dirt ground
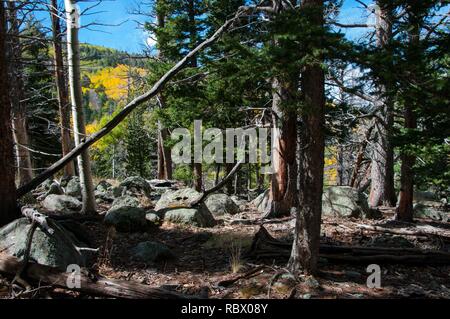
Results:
x,y
205,257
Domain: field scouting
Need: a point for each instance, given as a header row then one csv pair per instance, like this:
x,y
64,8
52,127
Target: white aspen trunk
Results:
x,y
76,97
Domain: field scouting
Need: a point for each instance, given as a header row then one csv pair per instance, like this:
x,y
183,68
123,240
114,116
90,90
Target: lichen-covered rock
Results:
x,y
174,206
199,217
221,204
103,186
345,201
422,210
73,187
260,202
135,186
60,249
160,186
62,204
151,251
128,219
124,201
177,198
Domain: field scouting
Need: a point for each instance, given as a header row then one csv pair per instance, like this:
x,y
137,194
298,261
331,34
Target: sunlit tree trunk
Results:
x,y
19,110
283,185
8,199
305,250
63,97
73,53
164,153
382,190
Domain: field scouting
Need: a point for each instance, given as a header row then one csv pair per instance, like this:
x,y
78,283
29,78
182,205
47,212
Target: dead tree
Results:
x,y
63,97
19,109
8,205
73,57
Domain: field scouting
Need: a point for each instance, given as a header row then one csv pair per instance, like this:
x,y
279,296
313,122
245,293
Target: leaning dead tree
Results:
x,y
116,120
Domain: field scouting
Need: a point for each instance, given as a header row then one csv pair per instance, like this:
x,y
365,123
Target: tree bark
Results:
x,y
19,109
382,190
8,202
63,96
283,184
164,153
73,53
405,210
305,249
360,156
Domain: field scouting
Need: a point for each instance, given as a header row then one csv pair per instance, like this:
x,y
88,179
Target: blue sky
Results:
x,y
122,32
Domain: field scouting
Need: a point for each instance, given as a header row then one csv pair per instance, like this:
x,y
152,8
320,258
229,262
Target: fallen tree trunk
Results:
x,y
99,286
405,232
117,119
265,246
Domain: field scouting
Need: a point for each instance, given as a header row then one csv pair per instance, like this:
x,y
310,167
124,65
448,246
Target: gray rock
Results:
x,y
128,219
151,251
62,204
103,186
136,186
261,201
73,187
200,217
56,250
153,218
125,201
221,204
54,189
169,202
345,201
177,198
424,211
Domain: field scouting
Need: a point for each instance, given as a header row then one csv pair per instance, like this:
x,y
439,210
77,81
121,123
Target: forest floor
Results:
x,y
207,256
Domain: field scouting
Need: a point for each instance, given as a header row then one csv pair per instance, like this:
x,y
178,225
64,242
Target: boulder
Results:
x,y
345,201
260,202
151,251
103,186
125,201
173,205
177,198
199,217
128,219
221,204
422,210
136,186
73,187
62,204
153,218
59,250
54,189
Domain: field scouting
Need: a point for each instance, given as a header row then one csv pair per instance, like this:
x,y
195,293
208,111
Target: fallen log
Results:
x,y
265,246
404,232
98,286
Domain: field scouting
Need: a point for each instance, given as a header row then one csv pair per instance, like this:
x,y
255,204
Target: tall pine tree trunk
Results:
x,y
8,199
193,38
63,97
382,190
305,249
164,153
405,210
73,53
283,185
19,110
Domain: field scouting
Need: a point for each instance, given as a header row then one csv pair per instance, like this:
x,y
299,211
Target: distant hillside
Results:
x,y
94,57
